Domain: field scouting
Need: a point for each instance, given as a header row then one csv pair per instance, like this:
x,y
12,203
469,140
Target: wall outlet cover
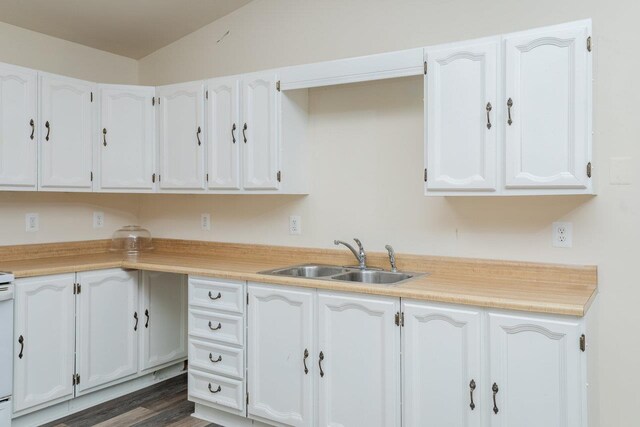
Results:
x,y
295,225
205,222
98,219
562,234
32,222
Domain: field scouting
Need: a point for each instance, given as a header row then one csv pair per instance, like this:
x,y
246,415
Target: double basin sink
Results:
x,y
343,274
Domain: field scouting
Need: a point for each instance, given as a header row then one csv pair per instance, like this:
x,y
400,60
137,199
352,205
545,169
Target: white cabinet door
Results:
x,y
126,148
460,117
67,123
44,341
18,128
281,357
181,137
358,342
536,372
260,115
107,331
442,366
224,133
548,105
163,318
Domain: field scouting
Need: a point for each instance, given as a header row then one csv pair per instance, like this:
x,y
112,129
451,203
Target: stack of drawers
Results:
x,y
216,343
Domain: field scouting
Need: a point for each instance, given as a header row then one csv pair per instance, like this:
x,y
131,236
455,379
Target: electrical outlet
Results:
x,y
32,222
295,225
562,234
205,222
98,219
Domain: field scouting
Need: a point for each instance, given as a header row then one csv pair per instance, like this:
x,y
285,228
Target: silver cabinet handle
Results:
x,y
320,359
219,359
216,297
216,328
218,390
48,126
509,105
104,136
21,342
244,133
198,135
135,316
489,108
146,313
33,128
472,387
304,361
495,391
233,135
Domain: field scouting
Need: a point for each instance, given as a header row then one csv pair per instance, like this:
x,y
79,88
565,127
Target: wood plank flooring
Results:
x,y
163,404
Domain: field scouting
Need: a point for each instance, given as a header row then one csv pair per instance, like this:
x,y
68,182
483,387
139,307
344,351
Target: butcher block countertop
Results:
x,y
532,287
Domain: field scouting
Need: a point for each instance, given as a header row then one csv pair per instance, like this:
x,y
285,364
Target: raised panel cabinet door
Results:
x,y
548,105
442,366
126,147
358,360
260,116
108,327
44,343
66,134
163,318
281,358
18,128
224,133
461,117
536,372
181,137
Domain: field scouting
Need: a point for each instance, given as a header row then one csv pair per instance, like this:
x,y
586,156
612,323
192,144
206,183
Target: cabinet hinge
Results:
x,y
77,288
153,101
158,100
247,298
397,318
278,85
91,176
159,177
206,94
247,398
279,176
425,174
91,96
402,319
153,178
75,379
589,170
589,43
425,68
207,177
583,342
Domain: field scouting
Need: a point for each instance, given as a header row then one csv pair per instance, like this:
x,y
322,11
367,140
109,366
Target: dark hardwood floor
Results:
x,y
163,404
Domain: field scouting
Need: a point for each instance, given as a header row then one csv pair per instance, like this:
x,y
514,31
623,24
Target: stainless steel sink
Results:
x,y
373,277
308,270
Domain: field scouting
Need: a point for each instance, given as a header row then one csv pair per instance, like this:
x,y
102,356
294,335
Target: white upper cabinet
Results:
x,y
224,133
460,116
18,128
126,149
259,131
181,137
441,354
66,134
536,372
548,108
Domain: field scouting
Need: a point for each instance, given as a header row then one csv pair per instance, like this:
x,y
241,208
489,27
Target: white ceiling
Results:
x,y
133,28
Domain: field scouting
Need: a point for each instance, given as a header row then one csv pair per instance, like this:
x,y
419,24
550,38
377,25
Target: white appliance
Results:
x,y
6,347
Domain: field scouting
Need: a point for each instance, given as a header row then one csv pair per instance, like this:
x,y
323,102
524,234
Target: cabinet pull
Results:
x,y
219,359
48,126
244,134
304,361
216,328
21,342
495,391
472,387
135,316
33,128
104,136
146,313
489,108
233,136
198,135
509,104
216,297
321,358
218,390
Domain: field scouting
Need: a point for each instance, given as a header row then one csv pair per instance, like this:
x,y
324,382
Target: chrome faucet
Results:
x,y
392,258
360,254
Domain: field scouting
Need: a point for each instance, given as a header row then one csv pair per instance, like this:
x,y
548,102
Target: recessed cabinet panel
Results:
x,y
18,128
536,366
548,103
66,134
224,134
461,117
441,353
44,344
126,148
181,137
260,132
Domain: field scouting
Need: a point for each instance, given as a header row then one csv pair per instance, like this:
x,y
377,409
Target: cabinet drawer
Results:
x,y
216,389
216,358
227,295
224,328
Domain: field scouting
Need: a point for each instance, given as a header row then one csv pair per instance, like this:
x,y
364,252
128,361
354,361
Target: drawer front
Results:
x,y
224,328
216,389
216,358
227,295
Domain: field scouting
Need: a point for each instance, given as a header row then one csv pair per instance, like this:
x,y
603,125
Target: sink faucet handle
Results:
x,y
392,257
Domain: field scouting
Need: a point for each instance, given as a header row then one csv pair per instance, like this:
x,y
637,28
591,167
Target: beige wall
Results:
x,y
366,140
63,216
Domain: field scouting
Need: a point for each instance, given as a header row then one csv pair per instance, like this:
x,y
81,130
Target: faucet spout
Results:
x,y
360,254
392,258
